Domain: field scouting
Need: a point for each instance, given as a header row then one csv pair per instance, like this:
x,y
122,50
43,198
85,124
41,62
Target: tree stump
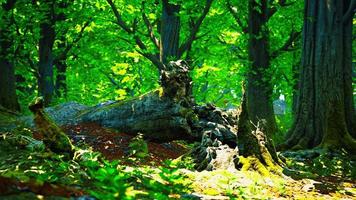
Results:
x,y
53,137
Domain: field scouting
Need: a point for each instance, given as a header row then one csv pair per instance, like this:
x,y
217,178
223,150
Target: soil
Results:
x,y
115,145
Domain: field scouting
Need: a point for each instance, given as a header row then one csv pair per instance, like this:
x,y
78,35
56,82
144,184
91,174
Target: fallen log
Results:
x,y
228,140
157,117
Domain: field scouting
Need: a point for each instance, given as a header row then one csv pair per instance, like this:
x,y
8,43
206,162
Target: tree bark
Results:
x,y
45,65
230,141
170,29
325,111
259,87
8,97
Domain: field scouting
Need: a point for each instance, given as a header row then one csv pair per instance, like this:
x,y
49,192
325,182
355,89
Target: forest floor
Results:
x,y
126,168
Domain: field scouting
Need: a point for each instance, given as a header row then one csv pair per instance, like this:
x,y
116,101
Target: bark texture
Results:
x,y
45,65
259,88
170,29
230,141
162,115
325,111
8,97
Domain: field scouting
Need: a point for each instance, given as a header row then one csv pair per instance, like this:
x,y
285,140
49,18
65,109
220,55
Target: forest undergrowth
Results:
x,y
112,165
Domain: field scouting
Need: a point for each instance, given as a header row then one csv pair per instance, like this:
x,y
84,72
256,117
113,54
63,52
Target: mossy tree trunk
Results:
x,y
231,141
53,137
8,97
259,87
168,46
325,112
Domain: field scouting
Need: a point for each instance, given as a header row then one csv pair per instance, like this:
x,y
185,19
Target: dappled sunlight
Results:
x,y
172,99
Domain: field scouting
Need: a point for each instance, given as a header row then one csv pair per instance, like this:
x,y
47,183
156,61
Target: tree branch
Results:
x,y
132,31
109,77
119,19
149,27
236,17
201,36
237,53
350,11
293,36
193,32
64,53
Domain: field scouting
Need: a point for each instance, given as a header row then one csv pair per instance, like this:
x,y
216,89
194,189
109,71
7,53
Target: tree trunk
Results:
x,y
230,141
60,60
8,97
61,79
259,86
47,37
325,111
170,29
295,71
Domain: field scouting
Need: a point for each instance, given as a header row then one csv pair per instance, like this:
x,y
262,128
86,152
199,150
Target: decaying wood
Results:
x,y
155,116
53,137
228,140
163,115
234,143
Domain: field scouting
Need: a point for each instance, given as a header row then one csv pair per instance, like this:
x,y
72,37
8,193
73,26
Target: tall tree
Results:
x,y
8,97
169,45
259,86
46,42
325,113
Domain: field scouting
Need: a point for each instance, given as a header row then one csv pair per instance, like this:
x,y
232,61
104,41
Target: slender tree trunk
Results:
x,y
8,97
295,76
61,79
259,88
325,112
170,29
47,37
347,62
60,60
61,66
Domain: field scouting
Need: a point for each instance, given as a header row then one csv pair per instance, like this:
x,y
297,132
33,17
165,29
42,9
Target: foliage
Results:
x,y
106,65
138,147
102,179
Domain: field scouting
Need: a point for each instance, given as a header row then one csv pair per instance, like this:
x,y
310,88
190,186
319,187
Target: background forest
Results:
x,y
282,72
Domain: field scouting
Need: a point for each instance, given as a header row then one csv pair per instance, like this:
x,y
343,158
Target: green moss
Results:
x,y
53,137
